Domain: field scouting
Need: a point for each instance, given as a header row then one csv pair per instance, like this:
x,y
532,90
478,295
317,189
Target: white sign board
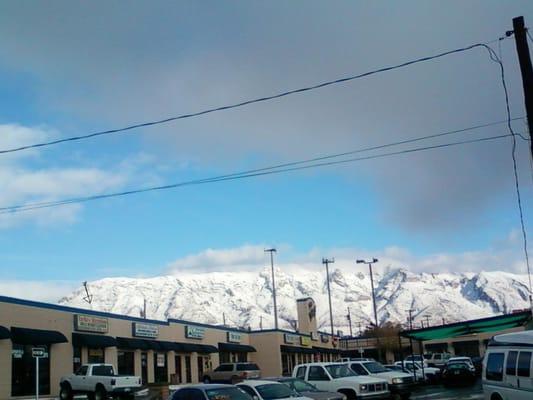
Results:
x,y
160,360
291,339
194,332
234,337
145,330
38,352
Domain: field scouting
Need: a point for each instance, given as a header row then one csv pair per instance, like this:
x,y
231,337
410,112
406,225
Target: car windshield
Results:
x,y
227,393
247,367
374,367
339,371
275,391
300,385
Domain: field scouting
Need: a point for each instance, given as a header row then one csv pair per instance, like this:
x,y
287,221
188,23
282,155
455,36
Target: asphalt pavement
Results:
x,y
440,392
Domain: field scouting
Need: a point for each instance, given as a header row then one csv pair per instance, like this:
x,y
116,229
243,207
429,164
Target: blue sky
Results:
x,y
71,68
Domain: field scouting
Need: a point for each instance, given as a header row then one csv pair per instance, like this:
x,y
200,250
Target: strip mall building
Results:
x,y
158,351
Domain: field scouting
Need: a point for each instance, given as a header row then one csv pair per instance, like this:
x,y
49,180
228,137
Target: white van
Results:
x,y
508,367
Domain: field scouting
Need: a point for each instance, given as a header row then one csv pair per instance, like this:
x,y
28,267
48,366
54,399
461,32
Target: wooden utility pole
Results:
x,y
520,35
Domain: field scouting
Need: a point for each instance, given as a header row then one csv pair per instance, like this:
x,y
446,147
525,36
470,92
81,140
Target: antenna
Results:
x,y
88,297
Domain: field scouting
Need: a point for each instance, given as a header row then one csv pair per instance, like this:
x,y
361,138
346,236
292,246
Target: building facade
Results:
x,y
159,352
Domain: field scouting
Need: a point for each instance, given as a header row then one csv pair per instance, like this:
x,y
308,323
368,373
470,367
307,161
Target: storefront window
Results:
x,y
126,362
160,367
224,357
96,356
23,371
76,358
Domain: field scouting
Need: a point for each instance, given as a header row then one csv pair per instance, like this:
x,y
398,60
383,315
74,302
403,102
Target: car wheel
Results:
x,y
206,379
100,393
66,392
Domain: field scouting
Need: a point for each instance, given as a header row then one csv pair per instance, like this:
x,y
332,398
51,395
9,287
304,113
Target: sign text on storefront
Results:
x,y
234,337
291,339
145,330
194,332
88,323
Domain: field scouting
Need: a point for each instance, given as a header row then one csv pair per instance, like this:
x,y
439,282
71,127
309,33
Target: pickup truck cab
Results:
x,y
98,382
337,377
400,383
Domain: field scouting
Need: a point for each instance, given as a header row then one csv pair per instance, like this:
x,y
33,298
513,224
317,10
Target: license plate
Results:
x,y
456,372
127,389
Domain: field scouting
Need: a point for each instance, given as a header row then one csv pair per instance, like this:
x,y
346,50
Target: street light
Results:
x,y
369,263
272,251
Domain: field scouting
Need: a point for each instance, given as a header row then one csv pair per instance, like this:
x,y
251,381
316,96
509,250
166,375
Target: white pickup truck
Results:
x,y
98,382
337,377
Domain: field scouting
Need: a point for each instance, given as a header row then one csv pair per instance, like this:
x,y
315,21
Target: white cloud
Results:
x,y
47,291
22,183
503,256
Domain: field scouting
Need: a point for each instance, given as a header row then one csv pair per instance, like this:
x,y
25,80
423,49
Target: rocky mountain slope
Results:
x,y
245,298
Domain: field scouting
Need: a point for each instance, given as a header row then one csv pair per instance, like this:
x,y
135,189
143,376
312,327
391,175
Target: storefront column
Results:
x,y
183,366
171,364
111,357
451,348
215,360
481,348
84,355
194,368
5,367
137,363
58,367
151,372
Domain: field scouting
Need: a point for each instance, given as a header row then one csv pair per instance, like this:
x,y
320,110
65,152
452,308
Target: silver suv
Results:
x,y
232,372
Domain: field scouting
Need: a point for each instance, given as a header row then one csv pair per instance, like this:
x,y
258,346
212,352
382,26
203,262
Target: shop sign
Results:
x,y
17,353
314,336
194,332
160,360
145,330
324,338
87,323
291,339
234,337
38,352
305,341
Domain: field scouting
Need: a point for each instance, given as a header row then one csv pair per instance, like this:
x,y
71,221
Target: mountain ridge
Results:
x,y
244,299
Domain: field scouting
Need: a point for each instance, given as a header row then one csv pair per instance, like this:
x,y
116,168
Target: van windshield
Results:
x,y
374,367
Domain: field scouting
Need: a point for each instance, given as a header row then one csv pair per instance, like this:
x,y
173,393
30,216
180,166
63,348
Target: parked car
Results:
x,y
232,373
98,381
458,373
207,392
426,374
269,390
400,383
508,367
466,360
478,364
306,389
438,360
416,358
337,377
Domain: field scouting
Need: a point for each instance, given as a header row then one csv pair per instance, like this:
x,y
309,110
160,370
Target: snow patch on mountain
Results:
x,y
244,299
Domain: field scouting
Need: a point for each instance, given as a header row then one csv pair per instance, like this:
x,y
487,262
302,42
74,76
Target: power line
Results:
x,y
497,60
235,176
246,102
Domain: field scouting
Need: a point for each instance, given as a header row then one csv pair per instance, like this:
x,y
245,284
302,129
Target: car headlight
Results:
x,y
363,388
397,380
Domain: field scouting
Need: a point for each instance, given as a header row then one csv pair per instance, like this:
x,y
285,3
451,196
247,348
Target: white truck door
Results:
x,y
318,376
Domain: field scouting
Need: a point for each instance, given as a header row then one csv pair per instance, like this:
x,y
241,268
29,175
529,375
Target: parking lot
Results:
x,y
440,392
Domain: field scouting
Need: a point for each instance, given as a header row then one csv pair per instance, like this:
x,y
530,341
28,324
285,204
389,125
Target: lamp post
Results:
x,y
369,263
327,262
272,251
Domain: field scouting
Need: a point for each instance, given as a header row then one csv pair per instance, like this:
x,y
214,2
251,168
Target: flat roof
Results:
x,y
482,325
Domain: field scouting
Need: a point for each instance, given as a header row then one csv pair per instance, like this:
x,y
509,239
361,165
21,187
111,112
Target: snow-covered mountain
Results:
x,y
245,298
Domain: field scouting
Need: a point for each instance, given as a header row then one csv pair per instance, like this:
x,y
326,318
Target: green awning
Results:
x,y
491,324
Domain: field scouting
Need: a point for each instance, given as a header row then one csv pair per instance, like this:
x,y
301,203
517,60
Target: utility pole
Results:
x,y
369,263
522,49
427,320
261,322
88,297
272,251
520,32
327,262
144,308
224,319
410,311
349,318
